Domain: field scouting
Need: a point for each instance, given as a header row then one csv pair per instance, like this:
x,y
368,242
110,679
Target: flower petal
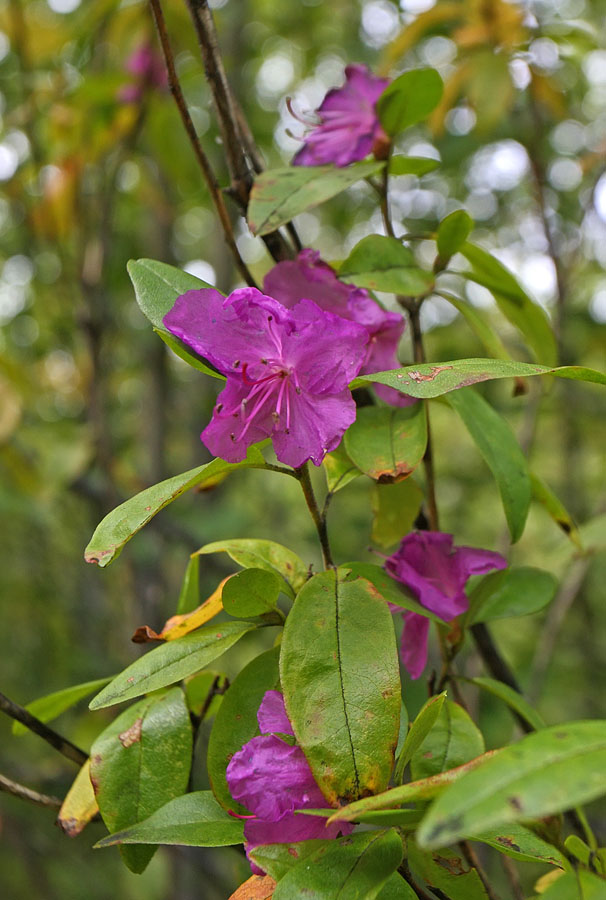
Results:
x,y
317,424
272,714
413,643
307,277
290,829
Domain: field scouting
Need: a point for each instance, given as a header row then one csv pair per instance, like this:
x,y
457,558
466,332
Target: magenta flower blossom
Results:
x,y
436,573
148,69
287,371
311,278
272,779
349,128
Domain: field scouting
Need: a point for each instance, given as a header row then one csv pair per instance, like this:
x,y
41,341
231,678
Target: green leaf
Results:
x,y
236,720
395,888
513,301
157,286
340,675
122,523
482,330
521,843
413,792
171,662
579,885
409,99
278,859
52,705
501,452
453,740
387,442
339,469
140,762
544,773
419,730
412,165
279,195
189,596
192,820
259,554
390,589
348,868
383,264
428,380
556,509
395,508
453,231
251,592
447,871
512,698
516,591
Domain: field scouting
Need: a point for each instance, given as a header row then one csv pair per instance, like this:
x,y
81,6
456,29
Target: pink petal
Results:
x,y
318,423
272,714
413,643
290,829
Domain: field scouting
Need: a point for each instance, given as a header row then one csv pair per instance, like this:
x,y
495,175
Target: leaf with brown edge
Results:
x,y
80,805
177,626
258,887
387,443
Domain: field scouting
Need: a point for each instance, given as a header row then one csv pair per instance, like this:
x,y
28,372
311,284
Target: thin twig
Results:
x,y
209,175
513,878
24,793
69,750
472,860
384,194
318,517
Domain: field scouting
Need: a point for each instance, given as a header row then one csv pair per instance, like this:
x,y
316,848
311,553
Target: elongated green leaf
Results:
x,y
140,762
386,442
395,888
452,233
171,662
122,523
579,885
383,264
395,508
516,591
478,324
414,792
501,452
278,859
340,675
188,355
236,721
521,843
428,380
513,301
251,592
52,705
345,869
419,730
192,820
511,698
556,509
189,595
412,165
280,194
390,589
448,871
409,99
258,554
453,740
544,773
339,469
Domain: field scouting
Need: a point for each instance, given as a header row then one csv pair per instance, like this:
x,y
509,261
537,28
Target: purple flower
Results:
x,y
148,70
349,128
311,278
272,779
436,573
287,371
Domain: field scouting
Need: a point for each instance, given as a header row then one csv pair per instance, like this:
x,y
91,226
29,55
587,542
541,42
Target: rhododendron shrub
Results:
x,y
339,766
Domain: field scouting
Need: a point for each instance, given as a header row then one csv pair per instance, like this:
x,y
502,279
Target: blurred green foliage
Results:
x,y
94,407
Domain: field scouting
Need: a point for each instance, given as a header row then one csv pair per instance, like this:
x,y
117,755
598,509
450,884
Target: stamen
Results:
x,y
309,123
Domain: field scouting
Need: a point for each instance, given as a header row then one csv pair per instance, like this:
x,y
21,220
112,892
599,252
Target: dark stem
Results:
x,y
473,861
319,518
69,750
384,194
209,175
24,793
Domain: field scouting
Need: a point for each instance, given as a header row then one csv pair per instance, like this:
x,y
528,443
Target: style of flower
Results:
x,y
436,573
272,779
287,371
348,127
309,277
148,70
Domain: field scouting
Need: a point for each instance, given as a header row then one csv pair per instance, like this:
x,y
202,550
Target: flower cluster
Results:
x,y
348,127
436,573
272,779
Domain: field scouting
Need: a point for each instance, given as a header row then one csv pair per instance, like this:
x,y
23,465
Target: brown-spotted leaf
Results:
x,y
387,443
177,626
80,805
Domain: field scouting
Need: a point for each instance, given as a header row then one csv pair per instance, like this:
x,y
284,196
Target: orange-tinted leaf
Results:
x,y
258,887
177,626
80,805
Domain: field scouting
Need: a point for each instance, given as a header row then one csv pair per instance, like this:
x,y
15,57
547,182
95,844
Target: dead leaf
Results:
x,y
79,806
258,887
177,626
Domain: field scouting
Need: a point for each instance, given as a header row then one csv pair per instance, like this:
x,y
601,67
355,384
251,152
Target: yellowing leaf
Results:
x,y
80,805
257,887
177,626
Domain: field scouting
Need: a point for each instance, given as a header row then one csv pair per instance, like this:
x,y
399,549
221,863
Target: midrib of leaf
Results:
x,y
448,738
355,865
342,685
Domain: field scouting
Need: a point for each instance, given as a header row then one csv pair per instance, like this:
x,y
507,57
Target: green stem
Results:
x,y
319,518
